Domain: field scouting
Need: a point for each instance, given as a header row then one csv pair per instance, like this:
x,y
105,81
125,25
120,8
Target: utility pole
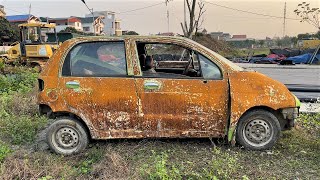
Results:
x,y
184,10
168,20
91,11
29,13
168,16
94,26
284,19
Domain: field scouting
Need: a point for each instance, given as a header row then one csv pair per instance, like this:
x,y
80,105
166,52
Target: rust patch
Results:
x,y
252,89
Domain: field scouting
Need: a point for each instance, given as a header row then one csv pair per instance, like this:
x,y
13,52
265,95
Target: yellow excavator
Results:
x,y
34,49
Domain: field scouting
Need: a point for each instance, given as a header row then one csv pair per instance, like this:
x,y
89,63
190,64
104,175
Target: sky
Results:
x,y
151,18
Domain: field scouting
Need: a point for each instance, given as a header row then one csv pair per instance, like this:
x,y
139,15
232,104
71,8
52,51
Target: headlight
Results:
x,y
298,103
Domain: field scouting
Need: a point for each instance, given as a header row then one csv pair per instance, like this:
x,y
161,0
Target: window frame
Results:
x,y
162,77
68,58
196,53
221,72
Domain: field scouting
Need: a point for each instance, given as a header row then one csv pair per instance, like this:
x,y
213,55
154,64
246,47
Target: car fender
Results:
x,y
249,89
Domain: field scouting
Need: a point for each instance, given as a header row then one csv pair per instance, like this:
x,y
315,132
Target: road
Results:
x,y
302,80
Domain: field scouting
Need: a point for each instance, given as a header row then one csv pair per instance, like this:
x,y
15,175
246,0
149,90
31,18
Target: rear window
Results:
x,y
96,59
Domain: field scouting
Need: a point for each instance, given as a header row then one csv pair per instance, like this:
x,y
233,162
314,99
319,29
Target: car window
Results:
x,y
209,69
96,59
166,60
167,52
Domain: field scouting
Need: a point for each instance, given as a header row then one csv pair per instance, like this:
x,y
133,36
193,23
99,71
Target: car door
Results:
x,y
96,86
174,105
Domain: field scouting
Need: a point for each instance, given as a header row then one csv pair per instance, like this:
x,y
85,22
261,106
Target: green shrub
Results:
x,y
4,151
20,129
21,82
2,65
85,166
19,121
223,165
310,122
160,168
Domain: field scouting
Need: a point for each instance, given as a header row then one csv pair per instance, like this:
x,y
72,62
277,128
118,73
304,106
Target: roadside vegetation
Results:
x,y
295,156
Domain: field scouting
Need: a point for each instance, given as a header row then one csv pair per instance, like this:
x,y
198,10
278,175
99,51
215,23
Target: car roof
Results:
x,y
135,37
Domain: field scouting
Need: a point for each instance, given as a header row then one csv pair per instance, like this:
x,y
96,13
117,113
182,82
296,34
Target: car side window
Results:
x,y
167,60
96,59
209,69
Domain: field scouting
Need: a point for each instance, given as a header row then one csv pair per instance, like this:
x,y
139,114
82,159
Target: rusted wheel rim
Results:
x,y
67,138
258,132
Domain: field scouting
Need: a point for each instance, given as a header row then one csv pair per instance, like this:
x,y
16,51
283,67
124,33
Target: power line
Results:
x,y
14,10
141,8
249,12
133,10
284,19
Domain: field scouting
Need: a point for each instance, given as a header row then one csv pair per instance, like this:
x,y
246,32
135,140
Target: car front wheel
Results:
x,y
258,130
67,136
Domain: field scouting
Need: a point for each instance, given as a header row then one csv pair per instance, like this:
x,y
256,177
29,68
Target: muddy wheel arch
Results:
x,y
277,113
46,110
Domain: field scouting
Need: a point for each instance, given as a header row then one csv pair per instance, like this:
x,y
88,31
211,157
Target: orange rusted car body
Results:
x,y
120,107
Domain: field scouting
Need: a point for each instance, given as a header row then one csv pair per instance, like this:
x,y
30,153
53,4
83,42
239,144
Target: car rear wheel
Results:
x,y
258,130
67,136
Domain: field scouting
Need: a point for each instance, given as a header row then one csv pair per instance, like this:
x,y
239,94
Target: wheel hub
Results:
x,y
258,132
67,138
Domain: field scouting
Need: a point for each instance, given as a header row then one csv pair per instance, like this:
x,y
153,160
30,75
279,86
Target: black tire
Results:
x,y
67,136
258,130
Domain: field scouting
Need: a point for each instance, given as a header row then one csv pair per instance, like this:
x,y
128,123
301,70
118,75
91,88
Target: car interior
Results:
x,y
168,60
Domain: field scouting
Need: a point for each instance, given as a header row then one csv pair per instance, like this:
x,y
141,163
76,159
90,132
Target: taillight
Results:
x,y
41,84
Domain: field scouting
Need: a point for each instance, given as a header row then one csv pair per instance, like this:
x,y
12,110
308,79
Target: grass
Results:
x,y
295,156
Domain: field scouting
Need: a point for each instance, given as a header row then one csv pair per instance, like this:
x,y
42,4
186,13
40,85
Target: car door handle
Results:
x,y
151,86
73,85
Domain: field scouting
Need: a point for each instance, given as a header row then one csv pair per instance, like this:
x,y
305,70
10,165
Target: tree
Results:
x,y
195,21
308,14
261,43
70,30
130,33
294,40
278,42
8,33
75,31
304,36
317,35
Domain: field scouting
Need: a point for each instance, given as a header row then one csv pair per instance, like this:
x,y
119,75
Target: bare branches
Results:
x,y
200,21
308,14
195,21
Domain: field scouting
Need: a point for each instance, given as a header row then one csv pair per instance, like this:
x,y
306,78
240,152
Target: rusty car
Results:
x,y
157,87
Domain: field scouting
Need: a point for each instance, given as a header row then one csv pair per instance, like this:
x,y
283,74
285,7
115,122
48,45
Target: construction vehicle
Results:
x,y
33,49
309,43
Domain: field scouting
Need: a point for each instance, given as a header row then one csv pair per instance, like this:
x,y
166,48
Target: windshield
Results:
x,y
38,35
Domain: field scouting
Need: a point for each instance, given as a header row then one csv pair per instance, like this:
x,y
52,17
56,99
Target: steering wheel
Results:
x,y
185,72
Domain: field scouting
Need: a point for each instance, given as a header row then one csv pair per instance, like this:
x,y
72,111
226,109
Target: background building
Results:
x,y
63,23
2,13
24,18
111,24
220,36
87,24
